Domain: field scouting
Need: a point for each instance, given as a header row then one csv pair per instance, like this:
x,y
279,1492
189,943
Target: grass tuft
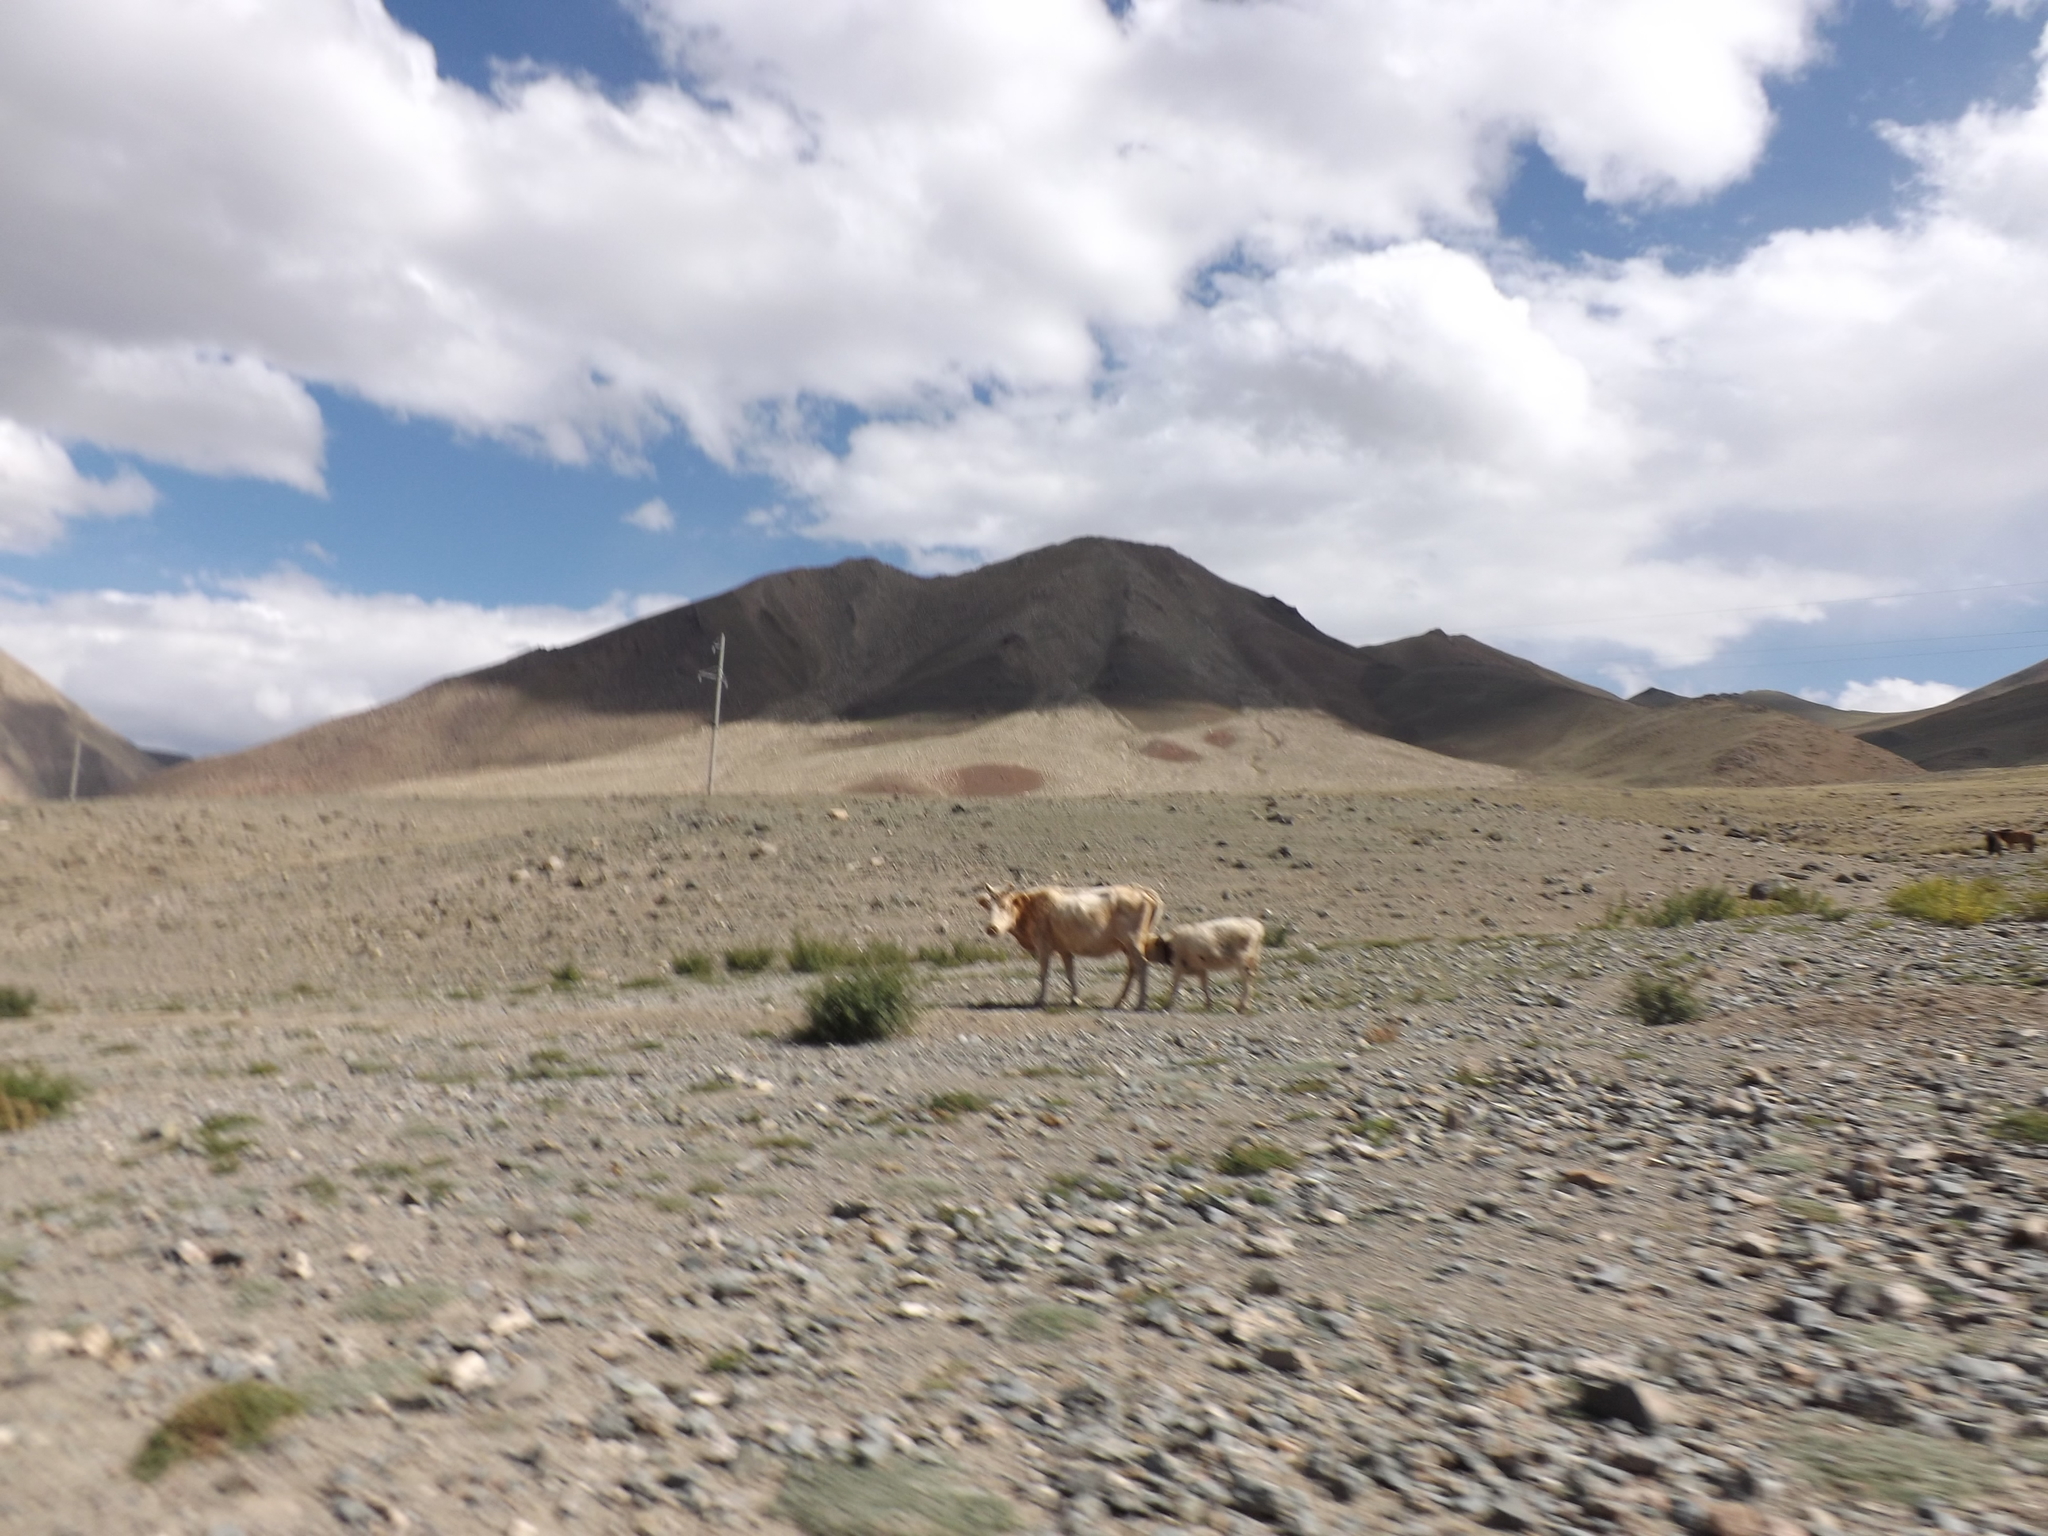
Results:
x,y
552,1065
1250,1159
1663,1000
696,965
2029,1127
226,1418
897,1497
813,956
1049,1322
1950,903
220,1141
959,952
1702,904
398,1303
29,1095
16,1002
750,960
957,1101
859,1007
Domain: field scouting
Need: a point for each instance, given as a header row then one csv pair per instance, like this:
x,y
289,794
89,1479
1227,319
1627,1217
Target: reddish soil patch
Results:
x,y
888,784
993,779
1169,752
1222,736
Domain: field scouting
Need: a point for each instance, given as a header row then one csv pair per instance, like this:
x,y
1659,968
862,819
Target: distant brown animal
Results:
x,y
1221,944
1090,921
2008,837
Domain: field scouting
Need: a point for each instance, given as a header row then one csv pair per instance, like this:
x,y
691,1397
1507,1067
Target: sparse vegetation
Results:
x,y
16,1002
1049,1322
398,1303
1277,934
1251,1159
859,1007
1380,1130
552,1065
957,1101
1872,1461
1702,904
1950,903
565,976
220,1141
897,1497
813,956
696,965
750,960
959,952
29,1095
1663,1000
1799,901
230,1417
2026,1126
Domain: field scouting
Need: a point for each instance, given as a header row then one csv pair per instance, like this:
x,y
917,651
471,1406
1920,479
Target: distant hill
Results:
x,y
1789,703
38,727
2004,724
1130,626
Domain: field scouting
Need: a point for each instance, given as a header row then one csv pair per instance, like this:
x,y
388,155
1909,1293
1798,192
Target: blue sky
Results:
x,y
1669,343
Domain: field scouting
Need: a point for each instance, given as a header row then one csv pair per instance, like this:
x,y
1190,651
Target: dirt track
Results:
x,y
586,1186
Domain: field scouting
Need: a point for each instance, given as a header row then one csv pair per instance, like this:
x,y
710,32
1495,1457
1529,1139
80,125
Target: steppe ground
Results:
x,y
399,1103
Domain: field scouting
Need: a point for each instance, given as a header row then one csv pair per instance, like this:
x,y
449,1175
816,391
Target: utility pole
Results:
x,y
717,678
77,751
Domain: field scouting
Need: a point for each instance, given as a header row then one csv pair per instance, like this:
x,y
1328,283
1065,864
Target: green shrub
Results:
x,y
2029,1126
859,1006
750,960
1049,1322
16,1002
812,956
959,952
884,952
552,1065
29,1094
1249,1159
1702,904
1277,935
565,976
1800,901
224,1418
2031,907
1663,1000
220,1141
694,964
1951,903
897,1497
957,1101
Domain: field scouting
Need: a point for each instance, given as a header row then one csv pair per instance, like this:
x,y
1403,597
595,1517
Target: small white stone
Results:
x,y
295,1265
510,1321
357,1253
191,1253
915,1309
468,1371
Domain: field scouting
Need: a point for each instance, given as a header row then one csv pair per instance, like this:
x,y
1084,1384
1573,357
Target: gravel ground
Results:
x,y
1438,1238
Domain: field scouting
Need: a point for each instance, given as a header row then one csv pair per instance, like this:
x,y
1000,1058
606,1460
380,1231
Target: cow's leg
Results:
x,y
1073,986
1124,991
1244,993
1144,977
1208,1002
1044,975
1173,991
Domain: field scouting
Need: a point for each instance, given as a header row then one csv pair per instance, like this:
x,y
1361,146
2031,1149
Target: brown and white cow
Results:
x,y
1221,944
1090,921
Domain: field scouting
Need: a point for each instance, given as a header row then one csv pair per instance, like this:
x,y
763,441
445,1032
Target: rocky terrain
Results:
x,y
400,1106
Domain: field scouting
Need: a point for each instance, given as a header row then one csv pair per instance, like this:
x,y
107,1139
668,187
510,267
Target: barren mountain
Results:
x,y
2004,724
1093,622
1861,720
38,729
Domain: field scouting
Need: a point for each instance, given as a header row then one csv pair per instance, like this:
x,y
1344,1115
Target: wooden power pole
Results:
x,y
717,680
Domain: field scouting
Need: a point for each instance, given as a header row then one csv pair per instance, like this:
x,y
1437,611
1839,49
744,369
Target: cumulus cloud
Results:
x,y
1890,695
212,669
40,487
1222,276
654,516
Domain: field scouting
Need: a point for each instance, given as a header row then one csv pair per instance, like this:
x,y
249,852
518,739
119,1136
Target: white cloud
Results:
x,y
1214,275
1892,695
209,670
209,206
40,487
653,515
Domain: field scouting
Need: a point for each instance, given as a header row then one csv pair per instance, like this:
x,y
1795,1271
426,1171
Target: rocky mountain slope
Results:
x,y
38,726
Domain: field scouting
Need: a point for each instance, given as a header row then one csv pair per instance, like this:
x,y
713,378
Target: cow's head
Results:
x,y
1158,951
1002,908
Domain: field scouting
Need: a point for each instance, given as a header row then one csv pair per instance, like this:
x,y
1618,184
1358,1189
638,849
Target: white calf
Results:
x,y
1221,944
